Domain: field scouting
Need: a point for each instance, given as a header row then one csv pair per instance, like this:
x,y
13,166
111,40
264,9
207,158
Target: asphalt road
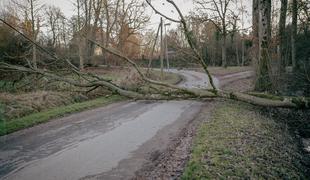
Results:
x,y
111,142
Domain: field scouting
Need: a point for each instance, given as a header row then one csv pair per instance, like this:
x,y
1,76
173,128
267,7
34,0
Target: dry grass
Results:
x,y
219,71
7,127
18,105
56,94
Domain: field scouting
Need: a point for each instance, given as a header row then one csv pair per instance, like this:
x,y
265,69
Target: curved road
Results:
x,y
111,142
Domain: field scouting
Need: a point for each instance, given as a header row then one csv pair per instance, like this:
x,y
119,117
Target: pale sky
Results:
x,y
185,5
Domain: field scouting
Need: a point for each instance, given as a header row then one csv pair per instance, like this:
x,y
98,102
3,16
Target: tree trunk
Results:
x,y
294,33
263,81
80,38
224,35
237,51
224,59
282,36
255,49
81,55
34,48
243,52
161,50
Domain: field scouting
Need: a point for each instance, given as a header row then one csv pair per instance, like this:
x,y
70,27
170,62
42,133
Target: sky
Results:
x,y
185,5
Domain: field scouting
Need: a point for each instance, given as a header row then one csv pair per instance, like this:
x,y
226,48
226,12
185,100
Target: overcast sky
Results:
x,y
185,5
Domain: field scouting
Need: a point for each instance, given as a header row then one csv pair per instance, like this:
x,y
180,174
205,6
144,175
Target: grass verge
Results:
x,y
239,143
7,127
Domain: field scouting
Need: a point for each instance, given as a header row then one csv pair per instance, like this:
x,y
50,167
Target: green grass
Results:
x,y
7,127
239,143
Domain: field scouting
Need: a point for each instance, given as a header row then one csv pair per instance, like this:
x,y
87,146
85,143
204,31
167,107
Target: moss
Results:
x,y
239,143
2,116
300,102
266,96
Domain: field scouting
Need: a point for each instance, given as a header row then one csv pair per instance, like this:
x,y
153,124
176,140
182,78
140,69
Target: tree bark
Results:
x,y
224,57
294,33
255,49
263,80
237,51
282,36
243,52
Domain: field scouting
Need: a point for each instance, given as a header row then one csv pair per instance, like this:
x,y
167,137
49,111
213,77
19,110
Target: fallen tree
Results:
x,y
93,81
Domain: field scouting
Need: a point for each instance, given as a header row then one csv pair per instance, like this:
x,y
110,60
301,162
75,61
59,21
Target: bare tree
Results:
x,y
97,6
80,39
110,15
243,13
132,20
54,17
219,16
30,10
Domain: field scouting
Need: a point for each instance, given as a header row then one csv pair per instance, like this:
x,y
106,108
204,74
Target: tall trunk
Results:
x,y
263,80
282,36
224,58
237,50
34,36
294,33
243,52
161,50
94,29
108,28
80,38
255,20
234,41
64,33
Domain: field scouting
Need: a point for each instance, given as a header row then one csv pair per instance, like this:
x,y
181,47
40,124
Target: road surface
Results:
x,y
111,142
